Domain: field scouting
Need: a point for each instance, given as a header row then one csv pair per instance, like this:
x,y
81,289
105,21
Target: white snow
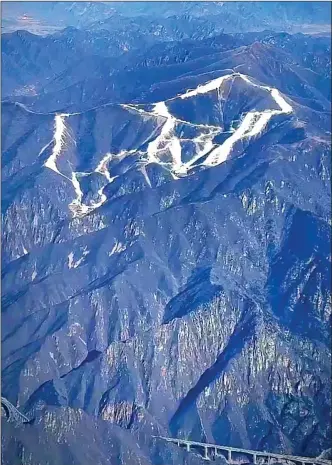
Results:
x,y
161,109
70,260
166,138
102,200
284,106
77,207
252,125
44,148
260,124
208,87
59,139
117,248
145,174
102,167
74,264
203,144
220,154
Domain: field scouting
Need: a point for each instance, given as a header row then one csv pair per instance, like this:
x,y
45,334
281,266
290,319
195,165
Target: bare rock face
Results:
x,y
71,435
166,260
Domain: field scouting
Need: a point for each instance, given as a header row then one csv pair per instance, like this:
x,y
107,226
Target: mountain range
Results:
x,y
42,17
166,228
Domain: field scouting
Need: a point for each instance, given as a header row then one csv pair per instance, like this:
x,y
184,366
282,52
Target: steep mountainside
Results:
x,y
166,259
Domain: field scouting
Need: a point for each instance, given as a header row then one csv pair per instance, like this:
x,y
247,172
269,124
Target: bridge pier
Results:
x,y
216,453
229,456
206,453
254,459
188,447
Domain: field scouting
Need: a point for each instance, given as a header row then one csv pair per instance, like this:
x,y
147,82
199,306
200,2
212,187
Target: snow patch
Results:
x,y
117,248
74,264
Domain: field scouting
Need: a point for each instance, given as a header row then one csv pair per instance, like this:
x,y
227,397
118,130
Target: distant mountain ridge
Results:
x,y
222,16
45,80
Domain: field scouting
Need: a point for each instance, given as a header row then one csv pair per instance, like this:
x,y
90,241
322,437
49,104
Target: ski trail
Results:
x,y
59,139
76,206
220,154
166,138
261,123
252,124
204,144
284,106
204,88
102,167
79,208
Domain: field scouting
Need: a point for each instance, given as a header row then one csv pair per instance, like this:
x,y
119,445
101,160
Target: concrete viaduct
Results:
x,y
235,455
12,414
